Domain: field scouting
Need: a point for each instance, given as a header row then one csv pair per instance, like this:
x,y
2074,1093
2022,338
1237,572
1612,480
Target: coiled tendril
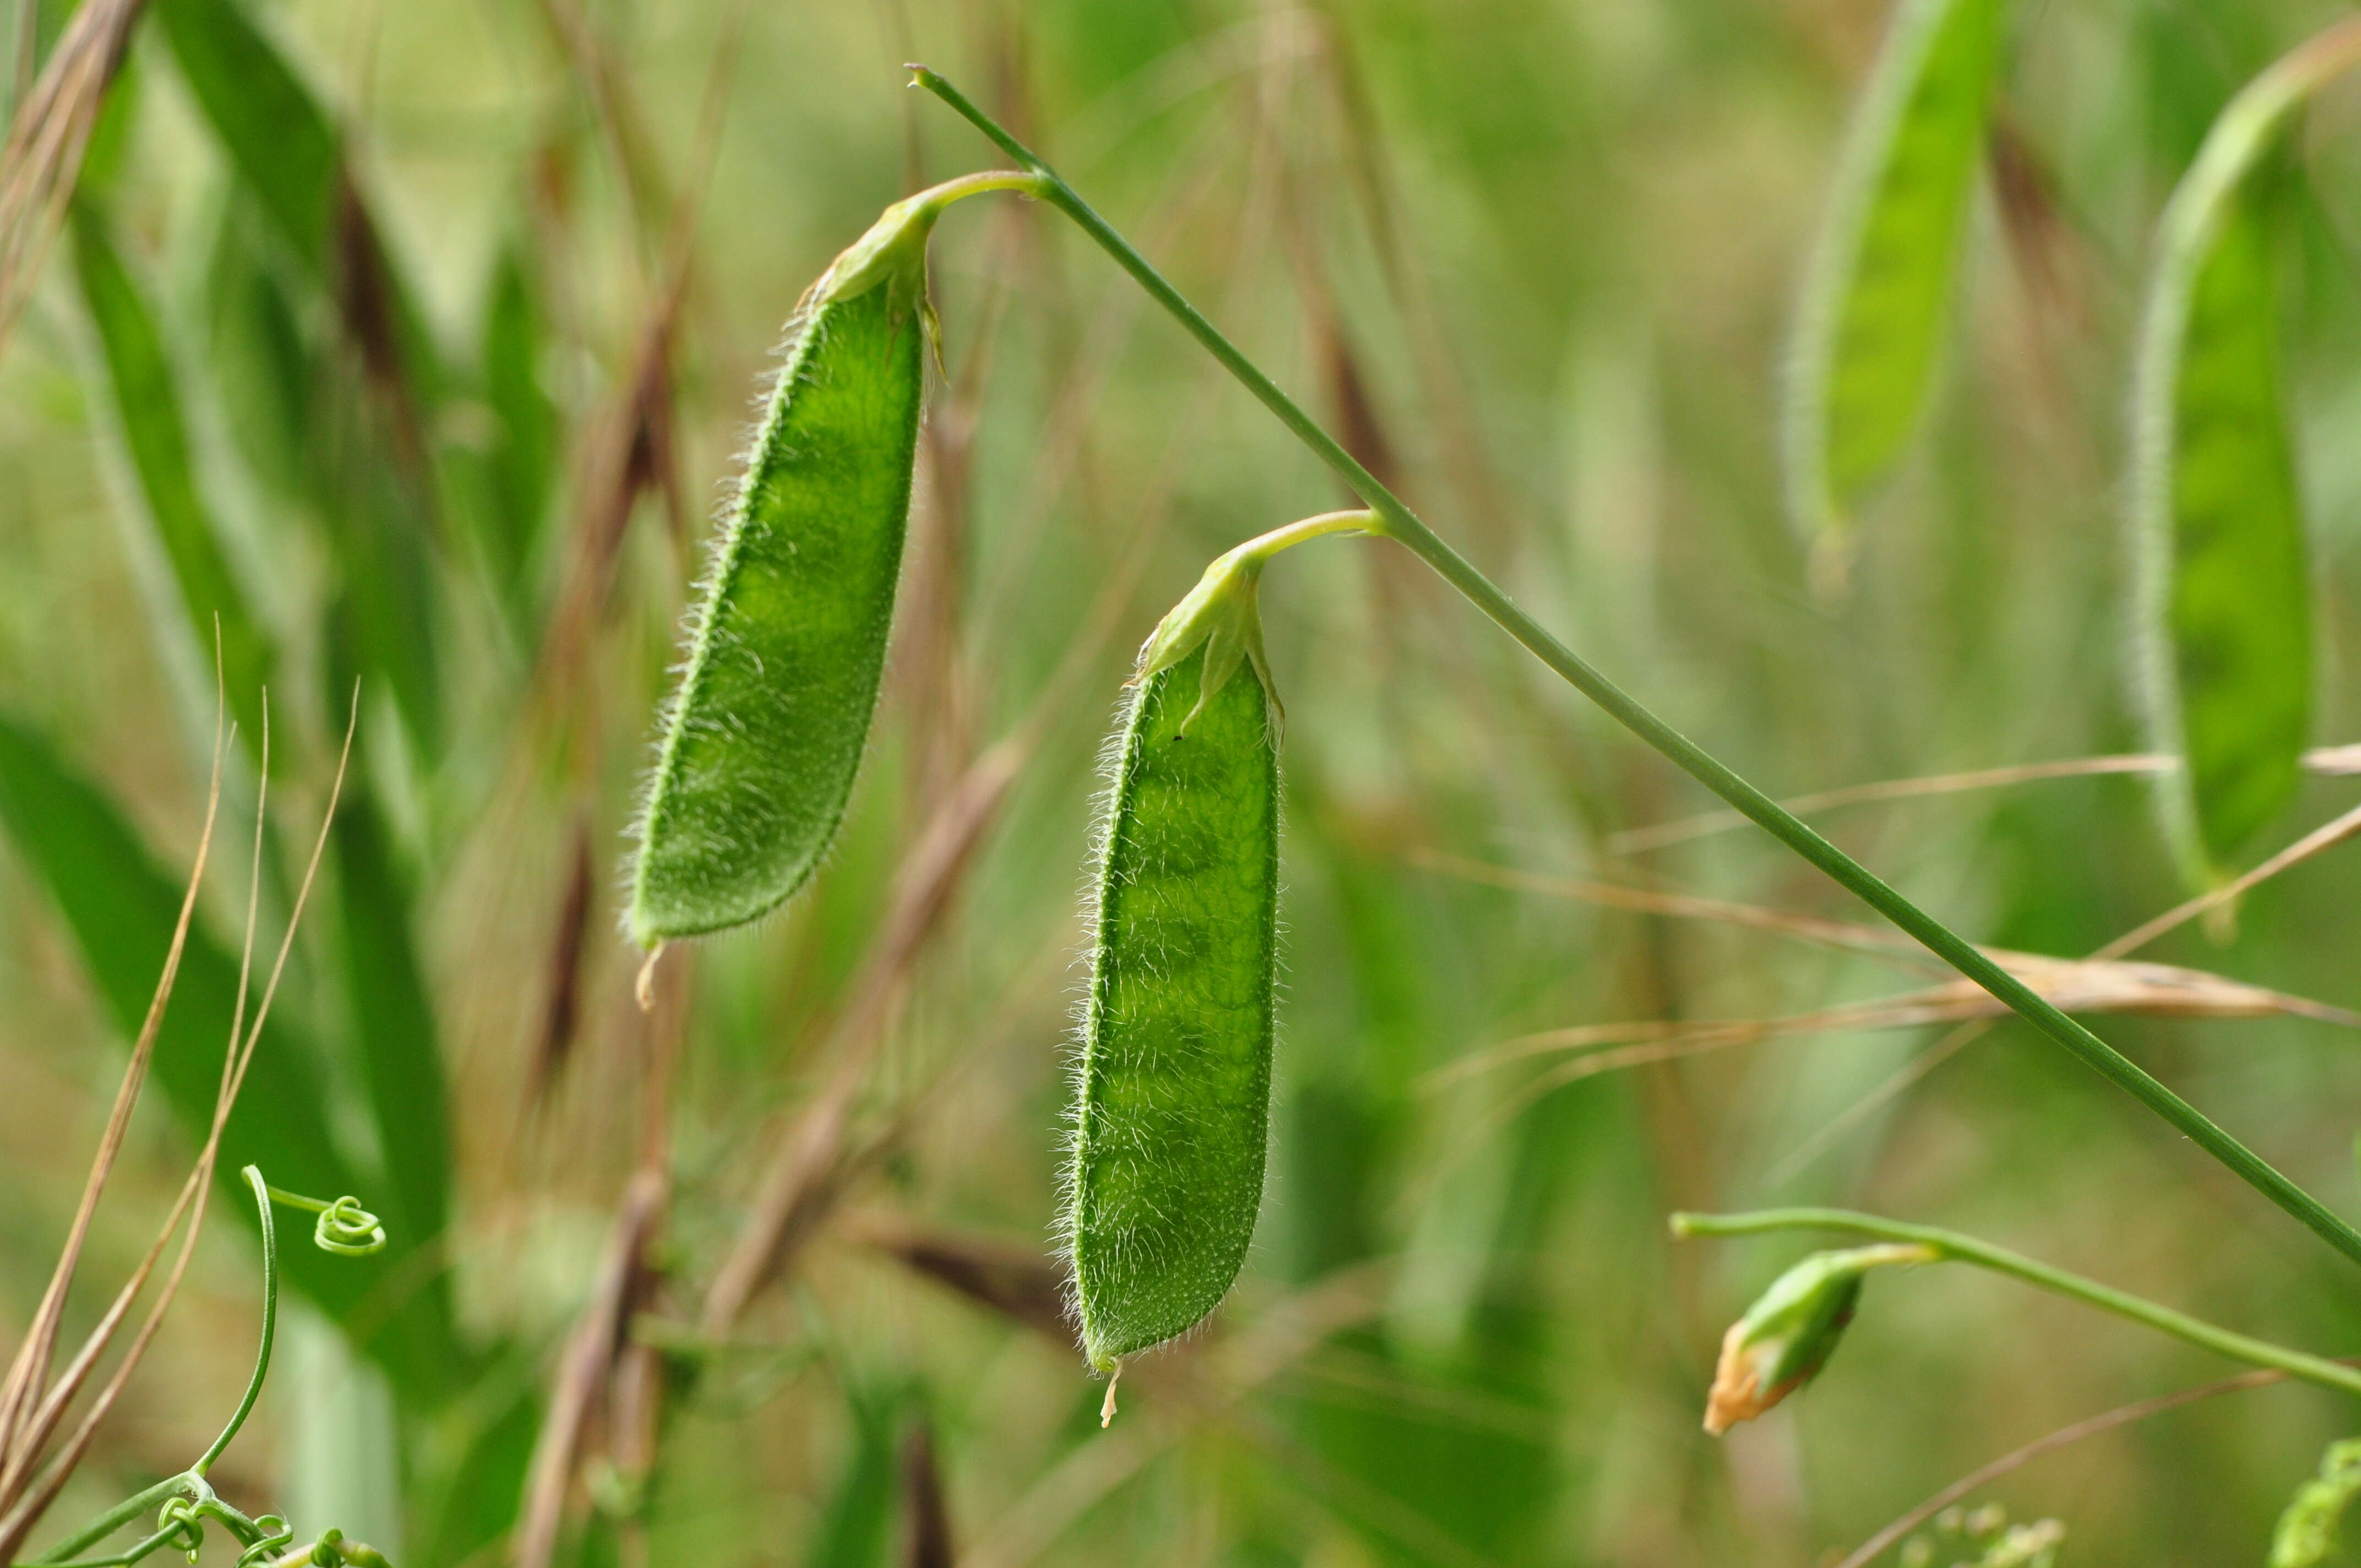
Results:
x,y
345,1227
179,1523
277,1536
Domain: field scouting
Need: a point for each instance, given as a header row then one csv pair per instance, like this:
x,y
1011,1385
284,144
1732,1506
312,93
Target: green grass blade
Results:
x,y
281,143
145,400
259,356
1877,296
392,1023
858,1522
287,151
120,911
523,462
2224,596
371,472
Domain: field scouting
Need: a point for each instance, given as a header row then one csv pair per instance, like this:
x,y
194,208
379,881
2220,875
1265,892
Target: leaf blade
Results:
x,y
392,1022
145,400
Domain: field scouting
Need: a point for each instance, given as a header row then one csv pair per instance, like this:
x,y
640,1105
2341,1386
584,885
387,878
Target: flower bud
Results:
x,y
1789,1332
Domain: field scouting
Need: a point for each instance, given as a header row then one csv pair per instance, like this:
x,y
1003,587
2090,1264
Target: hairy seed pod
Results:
x,y
1174,1104
765,733
1878,295
2224,579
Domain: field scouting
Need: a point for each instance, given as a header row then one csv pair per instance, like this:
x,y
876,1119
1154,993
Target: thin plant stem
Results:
x,y
1950,1246
269,1321
1395,520
115,1518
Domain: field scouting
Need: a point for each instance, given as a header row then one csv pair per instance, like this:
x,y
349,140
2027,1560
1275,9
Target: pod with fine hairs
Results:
x,y
2224,579
1877,296
1166,1169
764,735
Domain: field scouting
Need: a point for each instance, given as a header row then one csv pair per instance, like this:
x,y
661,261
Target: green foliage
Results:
x,y
1877,301
147,400
275,132
522,460
400,1058
362,445
1173,1109
858,1520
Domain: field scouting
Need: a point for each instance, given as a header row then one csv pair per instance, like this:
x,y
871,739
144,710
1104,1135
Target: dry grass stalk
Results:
x,y
803,1178
26,1493
587,1364
608,1382
2325,836
2313,843
1848,936
927,1527
1207,1385
29,1370
46,138
1638,841
629,448
2104,985
2073,985
562,1011
1026,1287
2325,762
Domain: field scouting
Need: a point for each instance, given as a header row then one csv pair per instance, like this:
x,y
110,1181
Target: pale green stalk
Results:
x,y
1950,1246
1395,520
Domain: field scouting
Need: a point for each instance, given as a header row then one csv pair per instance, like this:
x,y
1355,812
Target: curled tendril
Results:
x,y
344,1228
181,1514
277,1535
347,1229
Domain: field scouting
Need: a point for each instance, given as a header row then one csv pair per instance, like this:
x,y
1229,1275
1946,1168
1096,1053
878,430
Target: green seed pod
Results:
x,y
1173,1107
1787,1335
2224,579
1878,295
764,736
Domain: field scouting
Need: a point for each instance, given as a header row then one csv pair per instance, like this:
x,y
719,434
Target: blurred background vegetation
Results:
x,y
412,345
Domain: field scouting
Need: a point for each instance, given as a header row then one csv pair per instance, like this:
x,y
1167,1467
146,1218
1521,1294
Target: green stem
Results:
x,y
1399,522
1263,546
129,1555
270,1322
935,197
1950,1246
186,1484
